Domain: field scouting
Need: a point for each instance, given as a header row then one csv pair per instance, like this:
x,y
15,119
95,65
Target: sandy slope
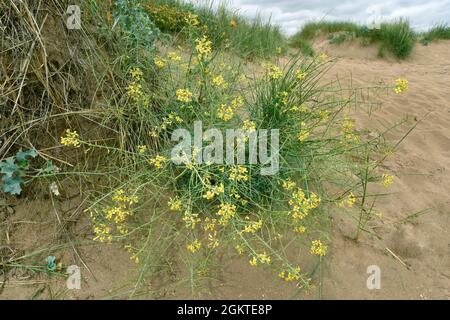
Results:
x,y
422,180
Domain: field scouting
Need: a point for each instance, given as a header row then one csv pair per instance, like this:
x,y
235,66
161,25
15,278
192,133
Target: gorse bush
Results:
x,y
395,37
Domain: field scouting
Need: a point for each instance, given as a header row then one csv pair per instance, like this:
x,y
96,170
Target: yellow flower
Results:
x,y
194,246
253,262
387,180
158,161
226,212
323,57
174,204
318,248
249,126
137,74
219,81
159,62
203,48
134,91
190,219
192,19
300,229
102,233
264,258
239,249
184,95
300,75
70,139
253,227
288,184
290,276
142,149
350,201
233,23
401,85
173,56
239,173
273,72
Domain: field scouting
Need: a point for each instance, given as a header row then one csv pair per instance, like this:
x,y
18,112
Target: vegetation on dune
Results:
x,y
438,32
104,111
395,37
226,29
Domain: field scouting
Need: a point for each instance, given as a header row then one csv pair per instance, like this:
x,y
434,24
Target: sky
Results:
x,y
290,15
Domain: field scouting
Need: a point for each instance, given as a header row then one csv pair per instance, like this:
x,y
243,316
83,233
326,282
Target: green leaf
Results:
x,y
8,167
12,185
48,168
22,155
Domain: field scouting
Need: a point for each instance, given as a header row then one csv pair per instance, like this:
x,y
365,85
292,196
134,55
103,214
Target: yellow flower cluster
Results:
x,y
102,233
290,276
212,240
134,91
192,19
137,74
300,75
173,56
288,184
226,112
191,219
174,204
142,149
203,48
349,201
158,161
318,248
301,205
253,227
401,85
304,132
249,126
184,95
387,180
210,224
261,258
219,82
347,127
214,191
71,139
159,62
226,212
273,72
194,246
239,173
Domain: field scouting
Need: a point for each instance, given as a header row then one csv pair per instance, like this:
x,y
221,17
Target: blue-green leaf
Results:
x,y
8,167
12,185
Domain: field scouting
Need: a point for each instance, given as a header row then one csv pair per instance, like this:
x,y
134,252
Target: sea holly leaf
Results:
x,y
48,168
12,185
8,167
22,155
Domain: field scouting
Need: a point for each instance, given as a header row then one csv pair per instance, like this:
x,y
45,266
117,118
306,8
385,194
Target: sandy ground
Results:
x,y
413,254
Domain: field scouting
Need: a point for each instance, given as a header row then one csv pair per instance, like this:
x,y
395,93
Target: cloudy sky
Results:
x,y
291,14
